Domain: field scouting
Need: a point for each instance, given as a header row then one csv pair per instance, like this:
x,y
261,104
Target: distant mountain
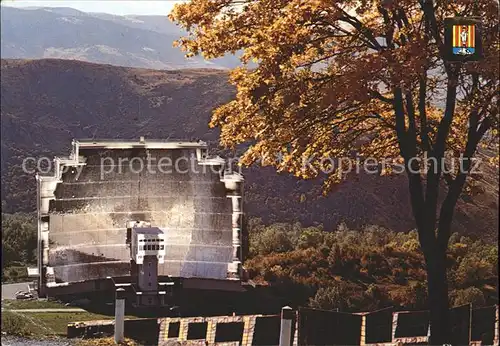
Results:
x,y
46,103
66,33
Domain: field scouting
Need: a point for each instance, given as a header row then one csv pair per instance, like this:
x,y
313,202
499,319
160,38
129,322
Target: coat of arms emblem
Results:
x,y
463,39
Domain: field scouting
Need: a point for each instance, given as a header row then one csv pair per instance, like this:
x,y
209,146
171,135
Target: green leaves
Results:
x,y
19,238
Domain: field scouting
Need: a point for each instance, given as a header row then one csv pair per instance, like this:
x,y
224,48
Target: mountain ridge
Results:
x,y
47,103
66,33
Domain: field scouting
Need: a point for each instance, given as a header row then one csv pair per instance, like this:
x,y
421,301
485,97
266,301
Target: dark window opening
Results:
x,y
173,329
129,236
197,331
227,332
267,331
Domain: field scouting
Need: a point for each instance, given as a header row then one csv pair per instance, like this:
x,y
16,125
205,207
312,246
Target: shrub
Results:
x,y
331,298
399,276
275,238
471,295
106,342
473,269
289,256
335,259
13,324
375,297
19,238
411,245
418,291
310,237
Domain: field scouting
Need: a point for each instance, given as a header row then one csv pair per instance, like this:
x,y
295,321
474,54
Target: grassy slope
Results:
x,y
44,324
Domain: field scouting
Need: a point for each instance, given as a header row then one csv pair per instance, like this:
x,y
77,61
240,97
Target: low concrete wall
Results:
x,y
178,329
144,330
312,327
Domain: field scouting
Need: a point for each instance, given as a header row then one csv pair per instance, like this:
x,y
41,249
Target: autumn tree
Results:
x,y
357,80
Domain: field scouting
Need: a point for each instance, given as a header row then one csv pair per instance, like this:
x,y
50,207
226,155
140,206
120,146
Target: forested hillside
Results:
x,y
47,103
364,269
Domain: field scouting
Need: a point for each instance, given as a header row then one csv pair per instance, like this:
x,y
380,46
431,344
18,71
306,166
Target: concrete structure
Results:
x,y
120,316
147,252
87,204
147,242
211,324
247,330
287,315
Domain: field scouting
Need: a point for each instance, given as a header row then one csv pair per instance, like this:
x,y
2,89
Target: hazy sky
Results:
x,y
160,7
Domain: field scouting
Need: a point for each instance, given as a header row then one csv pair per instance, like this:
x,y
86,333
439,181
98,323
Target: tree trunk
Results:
x,y
438,297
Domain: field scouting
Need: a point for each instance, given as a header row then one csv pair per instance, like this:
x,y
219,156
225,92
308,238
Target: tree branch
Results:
x,y
427,239
430,16
361,28
422,111
456,188
389,30
434,171
379,96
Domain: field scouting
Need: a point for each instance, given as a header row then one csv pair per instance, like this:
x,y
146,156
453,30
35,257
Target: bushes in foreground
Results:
x,y
14,324
364,269
19,239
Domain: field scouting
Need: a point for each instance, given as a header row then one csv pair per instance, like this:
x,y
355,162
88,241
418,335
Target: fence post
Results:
x,y
362,340
119,315
470,323
496,340
395,316
286,326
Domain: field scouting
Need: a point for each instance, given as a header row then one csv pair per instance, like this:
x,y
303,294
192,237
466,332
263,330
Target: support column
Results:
x,y
234,189
236,225
496,340
164,324
248,330
394,326
120,316
470,323
211,330
296,334
362,340
183,329
286,326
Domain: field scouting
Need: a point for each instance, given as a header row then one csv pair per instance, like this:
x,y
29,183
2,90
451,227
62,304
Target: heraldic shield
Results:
x,y
464,39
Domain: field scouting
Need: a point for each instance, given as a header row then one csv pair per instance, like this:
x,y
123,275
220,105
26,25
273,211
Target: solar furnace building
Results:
x,y
193,200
